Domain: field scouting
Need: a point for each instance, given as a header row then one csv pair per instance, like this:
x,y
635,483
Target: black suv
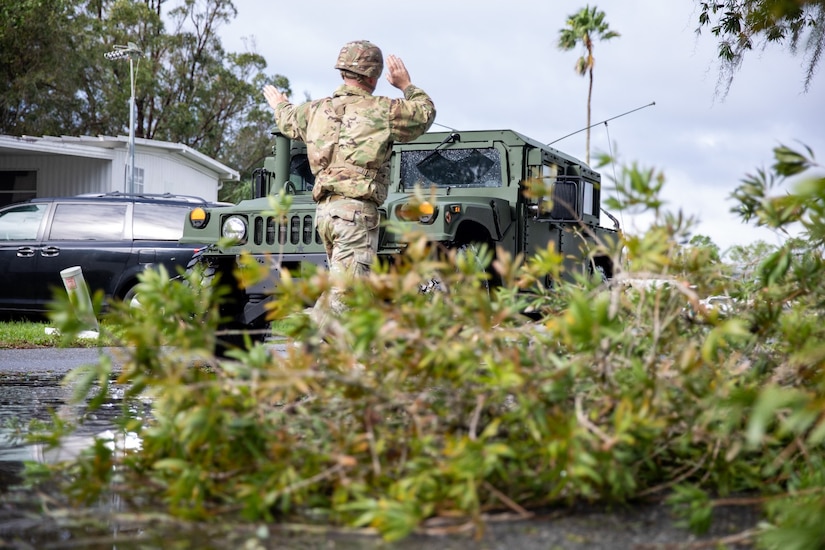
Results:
x,y
112,237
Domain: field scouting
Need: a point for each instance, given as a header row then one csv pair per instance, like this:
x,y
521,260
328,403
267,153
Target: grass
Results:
x,y
28,334
24,334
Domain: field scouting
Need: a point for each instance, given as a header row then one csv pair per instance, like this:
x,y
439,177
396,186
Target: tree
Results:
x,y
37,79
741,25
745,261
706,243
749,255
188,88
583,28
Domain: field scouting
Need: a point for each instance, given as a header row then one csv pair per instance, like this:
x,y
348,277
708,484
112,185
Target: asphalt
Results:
x,y
61,360
48,360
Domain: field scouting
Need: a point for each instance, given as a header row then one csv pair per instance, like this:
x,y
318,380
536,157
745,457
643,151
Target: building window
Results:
x,y
138,180
139,175
17,186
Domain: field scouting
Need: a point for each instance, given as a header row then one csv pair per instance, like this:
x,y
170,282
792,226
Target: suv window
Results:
x,y
22,222
159,222
88,222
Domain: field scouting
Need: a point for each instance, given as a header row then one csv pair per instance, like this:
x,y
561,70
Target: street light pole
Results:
x,y
130,51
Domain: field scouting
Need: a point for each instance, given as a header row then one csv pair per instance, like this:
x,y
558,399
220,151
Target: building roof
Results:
x,y
102,147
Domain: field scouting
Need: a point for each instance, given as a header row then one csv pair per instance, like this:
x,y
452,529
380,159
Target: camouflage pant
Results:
x,y
349,231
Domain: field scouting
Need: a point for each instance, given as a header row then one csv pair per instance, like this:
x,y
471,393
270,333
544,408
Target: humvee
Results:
x,y
475,183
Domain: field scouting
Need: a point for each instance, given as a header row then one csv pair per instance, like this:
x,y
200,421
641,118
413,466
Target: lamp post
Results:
x,y
130,51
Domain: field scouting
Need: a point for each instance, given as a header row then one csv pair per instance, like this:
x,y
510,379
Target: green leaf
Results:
x,y
173,464
775,266
769,401
789,162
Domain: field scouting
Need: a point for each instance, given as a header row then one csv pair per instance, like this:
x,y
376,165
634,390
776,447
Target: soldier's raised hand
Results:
x,y
397,74
273,95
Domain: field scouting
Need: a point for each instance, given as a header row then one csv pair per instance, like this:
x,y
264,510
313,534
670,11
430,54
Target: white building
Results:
x,y
62,166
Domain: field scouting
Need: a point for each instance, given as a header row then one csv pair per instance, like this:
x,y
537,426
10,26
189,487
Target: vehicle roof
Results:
x,y
163,198
511,137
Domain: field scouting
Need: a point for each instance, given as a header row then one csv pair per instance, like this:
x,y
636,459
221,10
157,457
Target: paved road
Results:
x,y
48,360
60,360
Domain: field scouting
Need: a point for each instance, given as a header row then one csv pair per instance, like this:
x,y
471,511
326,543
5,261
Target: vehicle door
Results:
x,y
21,228
92,235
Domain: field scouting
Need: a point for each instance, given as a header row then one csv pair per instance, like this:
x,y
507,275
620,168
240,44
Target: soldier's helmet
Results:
x,y
361,57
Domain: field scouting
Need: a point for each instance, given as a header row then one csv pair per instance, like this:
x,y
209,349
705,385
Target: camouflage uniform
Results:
x,y
349,139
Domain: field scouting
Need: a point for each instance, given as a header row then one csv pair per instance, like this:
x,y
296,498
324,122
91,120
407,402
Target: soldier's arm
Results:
x,y
412,116
287,116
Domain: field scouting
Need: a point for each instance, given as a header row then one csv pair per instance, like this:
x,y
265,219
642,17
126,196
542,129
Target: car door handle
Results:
x,y
25,252
48,251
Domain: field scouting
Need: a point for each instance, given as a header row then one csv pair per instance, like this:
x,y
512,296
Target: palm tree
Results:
x,y
584,27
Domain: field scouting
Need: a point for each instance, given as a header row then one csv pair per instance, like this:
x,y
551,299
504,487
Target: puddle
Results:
x,y
28,397
109,524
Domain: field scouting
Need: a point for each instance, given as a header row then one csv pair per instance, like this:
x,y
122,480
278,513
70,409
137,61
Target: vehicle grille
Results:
x,y
297,230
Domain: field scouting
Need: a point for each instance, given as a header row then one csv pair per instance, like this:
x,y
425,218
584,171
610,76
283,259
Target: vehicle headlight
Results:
x,y
234,227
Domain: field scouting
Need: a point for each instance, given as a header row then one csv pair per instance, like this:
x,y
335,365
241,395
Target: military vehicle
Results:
x,y
475,184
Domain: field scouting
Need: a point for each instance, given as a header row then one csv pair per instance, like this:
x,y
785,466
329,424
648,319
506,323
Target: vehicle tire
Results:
x,y
436,284
603,266
475,248
130,297
229,336
230,333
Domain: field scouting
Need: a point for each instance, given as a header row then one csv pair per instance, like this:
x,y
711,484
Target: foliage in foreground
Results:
x,y
456,405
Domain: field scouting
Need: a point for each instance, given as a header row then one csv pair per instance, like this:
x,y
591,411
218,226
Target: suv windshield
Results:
x,y
451,168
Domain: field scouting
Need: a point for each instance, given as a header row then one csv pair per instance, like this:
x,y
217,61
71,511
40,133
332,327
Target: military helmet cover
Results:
x,y
361,57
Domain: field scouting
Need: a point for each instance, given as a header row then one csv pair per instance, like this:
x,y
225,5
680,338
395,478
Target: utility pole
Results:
x,y
130,51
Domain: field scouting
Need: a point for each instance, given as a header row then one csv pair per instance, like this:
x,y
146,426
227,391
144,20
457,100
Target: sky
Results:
x,y
492,64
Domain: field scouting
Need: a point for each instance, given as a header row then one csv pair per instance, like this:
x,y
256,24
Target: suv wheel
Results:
x,y
131,296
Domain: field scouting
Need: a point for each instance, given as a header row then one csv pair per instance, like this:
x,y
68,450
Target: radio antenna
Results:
x,y
651,104
445,126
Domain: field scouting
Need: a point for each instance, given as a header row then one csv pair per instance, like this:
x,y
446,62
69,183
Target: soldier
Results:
x,y
349,139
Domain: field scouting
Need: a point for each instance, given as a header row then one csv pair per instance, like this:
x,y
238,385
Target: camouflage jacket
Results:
x,y
349,137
